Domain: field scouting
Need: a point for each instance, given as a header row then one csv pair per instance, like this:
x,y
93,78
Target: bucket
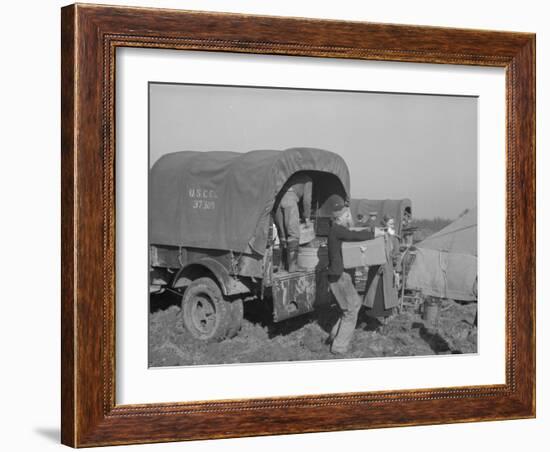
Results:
x,y
430,312
312,257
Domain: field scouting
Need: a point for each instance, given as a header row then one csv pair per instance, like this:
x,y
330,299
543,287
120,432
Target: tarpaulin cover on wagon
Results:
x,y
445,264
223,200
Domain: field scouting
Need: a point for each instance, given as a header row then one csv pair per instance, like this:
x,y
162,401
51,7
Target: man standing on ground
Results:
x,y
371,222
287,217
340,282
382,280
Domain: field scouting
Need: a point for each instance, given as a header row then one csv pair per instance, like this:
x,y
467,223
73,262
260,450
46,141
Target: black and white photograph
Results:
x,y
303,224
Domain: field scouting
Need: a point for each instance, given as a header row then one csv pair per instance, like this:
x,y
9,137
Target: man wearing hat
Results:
x,y
341,284
371,221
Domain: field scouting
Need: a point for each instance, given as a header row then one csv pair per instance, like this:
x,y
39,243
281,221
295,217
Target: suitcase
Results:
x,y
364,254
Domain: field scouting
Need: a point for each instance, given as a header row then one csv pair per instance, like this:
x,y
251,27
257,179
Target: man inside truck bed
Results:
x,y
287,218
341,284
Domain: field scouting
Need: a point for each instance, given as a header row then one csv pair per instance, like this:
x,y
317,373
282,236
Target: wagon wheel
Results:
x,y
207,315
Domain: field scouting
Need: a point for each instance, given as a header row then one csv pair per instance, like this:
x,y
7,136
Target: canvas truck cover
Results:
x,y
393,208
223,200
445,264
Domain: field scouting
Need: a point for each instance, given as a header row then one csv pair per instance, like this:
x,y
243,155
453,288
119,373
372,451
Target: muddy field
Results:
x,y
304,338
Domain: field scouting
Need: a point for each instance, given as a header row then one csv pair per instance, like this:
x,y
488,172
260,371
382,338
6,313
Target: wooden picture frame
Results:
x,y
90,36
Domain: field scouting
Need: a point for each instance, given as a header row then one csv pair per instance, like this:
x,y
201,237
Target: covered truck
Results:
x,y
211,232
398,209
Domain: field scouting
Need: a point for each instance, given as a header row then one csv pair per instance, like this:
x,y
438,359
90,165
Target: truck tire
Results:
x,y
207,315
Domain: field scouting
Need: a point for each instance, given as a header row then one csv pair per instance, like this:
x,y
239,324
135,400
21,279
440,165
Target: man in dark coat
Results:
x,y
341,284
371,222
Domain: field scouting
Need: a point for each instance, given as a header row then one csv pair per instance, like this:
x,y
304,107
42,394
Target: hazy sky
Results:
x,y
396,145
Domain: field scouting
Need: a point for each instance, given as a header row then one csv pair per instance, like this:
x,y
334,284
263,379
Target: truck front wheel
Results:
x,y
207,315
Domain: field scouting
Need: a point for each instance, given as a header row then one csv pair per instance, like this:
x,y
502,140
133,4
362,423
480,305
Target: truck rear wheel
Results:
x,y
207,315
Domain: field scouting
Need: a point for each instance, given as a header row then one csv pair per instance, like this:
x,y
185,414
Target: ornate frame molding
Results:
x,y
90,37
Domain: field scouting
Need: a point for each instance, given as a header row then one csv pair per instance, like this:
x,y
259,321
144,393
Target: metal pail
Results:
x,y
430,312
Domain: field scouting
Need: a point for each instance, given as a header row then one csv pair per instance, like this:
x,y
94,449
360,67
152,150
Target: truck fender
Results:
x,y
203,267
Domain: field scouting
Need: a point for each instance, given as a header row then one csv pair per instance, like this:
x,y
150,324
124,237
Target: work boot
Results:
x,y
338,351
